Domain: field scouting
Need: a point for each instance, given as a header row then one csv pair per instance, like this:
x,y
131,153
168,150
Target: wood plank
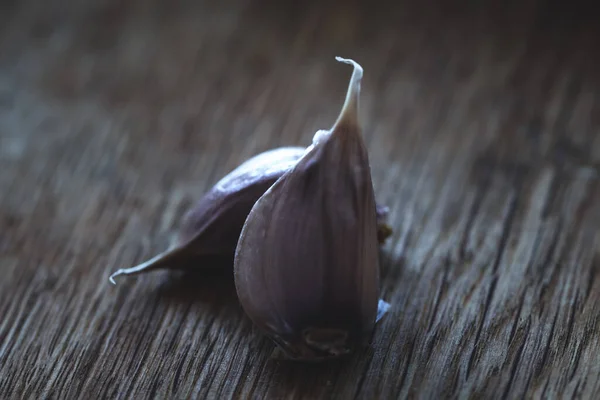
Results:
x,y
483,124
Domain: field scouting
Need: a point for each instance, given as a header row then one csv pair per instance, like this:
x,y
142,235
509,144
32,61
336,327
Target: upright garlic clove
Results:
x,y
306,265
212,227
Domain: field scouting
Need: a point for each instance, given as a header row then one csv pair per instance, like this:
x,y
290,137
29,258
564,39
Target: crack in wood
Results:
x,y
515,365
508,220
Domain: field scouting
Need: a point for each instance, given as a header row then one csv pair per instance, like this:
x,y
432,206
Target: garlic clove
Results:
x,y
306,265
213,225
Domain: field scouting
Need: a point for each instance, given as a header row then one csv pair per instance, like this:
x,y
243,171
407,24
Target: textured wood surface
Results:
x,y
482,124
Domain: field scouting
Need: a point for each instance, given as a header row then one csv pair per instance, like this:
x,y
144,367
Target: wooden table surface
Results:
x,y
482,124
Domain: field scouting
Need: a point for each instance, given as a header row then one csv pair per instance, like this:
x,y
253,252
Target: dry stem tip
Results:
x,y
349,111
112,277
159,261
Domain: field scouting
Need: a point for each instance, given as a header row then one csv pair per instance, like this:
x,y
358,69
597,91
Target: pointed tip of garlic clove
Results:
x,y
162,260
349,113
112,277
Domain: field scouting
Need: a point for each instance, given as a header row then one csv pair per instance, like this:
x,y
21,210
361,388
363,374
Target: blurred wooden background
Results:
x,y
482,122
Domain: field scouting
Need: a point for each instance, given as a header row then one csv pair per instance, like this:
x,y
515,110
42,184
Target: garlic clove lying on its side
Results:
x,y
306,265
213,225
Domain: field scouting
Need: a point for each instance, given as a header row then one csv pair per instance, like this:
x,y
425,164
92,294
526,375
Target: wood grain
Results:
x,y
482,124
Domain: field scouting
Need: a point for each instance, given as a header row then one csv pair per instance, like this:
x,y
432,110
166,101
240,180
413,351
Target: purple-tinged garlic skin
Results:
x,y
213,225
215,222
306,265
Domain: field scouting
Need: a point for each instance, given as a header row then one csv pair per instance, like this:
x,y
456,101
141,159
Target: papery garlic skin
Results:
x,y
215,222
306,264
213,225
